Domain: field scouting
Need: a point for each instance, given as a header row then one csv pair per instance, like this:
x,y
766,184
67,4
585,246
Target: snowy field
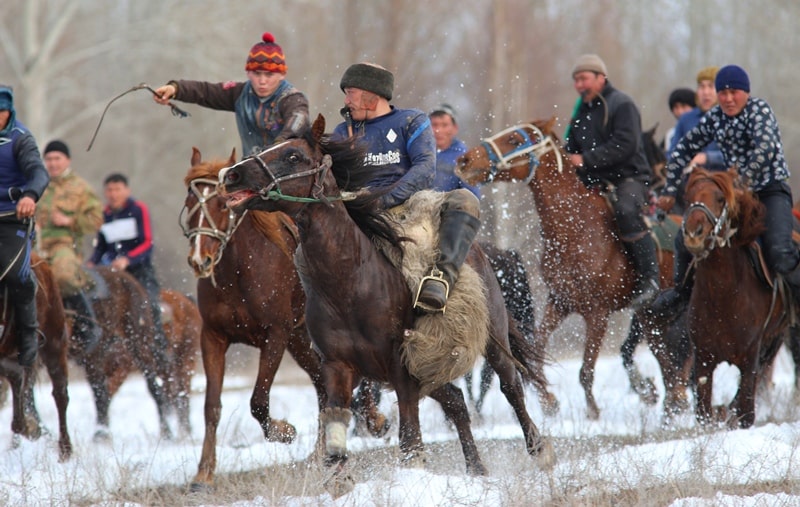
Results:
x,y
31,475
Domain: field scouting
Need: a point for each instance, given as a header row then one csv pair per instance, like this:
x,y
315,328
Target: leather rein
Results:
x,y
499,161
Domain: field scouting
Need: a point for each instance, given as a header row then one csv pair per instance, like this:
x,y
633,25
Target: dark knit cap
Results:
x,y
57,145
732,77
682,96
266,56
369,77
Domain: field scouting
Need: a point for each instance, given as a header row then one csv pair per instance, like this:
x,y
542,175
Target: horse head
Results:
x,y
205,219
510,155
721,212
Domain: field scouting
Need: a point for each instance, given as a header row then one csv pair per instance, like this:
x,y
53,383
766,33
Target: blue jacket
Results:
x,y
687,122
401,147
21,167
446,178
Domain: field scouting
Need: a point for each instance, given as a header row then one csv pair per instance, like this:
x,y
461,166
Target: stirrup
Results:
x,y
435,276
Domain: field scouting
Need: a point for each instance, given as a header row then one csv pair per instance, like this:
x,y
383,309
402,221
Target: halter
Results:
x,y
722,232
214,230
499,161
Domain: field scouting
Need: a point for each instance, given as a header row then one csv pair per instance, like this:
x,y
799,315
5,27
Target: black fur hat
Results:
x,y
370,77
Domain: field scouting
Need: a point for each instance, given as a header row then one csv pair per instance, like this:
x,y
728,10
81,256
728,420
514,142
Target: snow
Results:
x,y
31,475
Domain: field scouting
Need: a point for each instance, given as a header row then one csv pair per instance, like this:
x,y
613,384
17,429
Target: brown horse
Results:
x,y
128,344
583,262
359,306
248,292
52,353
734,316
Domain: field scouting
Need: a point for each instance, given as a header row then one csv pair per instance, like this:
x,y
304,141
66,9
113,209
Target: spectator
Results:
x,y
681,100
448,149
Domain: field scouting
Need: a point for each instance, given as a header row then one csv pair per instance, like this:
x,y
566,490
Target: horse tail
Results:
x,y
529,362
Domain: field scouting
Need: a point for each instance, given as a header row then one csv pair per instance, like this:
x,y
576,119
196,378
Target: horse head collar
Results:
x,y
499,161
721,232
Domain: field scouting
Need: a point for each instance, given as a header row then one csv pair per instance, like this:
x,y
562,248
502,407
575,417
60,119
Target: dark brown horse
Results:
x,y
734,315
359,306
53,351
248,292
128,344
583,262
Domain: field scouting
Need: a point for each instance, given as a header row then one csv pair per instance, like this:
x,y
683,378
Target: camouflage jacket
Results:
x,y
73,196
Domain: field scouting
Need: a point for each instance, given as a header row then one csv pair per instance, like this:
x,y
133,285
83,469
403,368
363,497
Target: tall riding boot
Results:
x,y
24,298
642,253
793,279
457,231
673,301
85,330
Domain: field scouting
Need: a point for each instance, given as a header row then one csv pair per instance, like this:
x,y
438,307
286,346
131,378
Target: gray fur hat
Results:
x,y
369,77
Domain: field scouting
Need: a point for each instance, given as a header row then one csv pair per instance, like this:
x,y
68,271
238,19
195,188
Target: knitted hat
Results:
x,y
591,63
370,77
707,74
57,145
7,104
445,109
266,56
682,96
732,77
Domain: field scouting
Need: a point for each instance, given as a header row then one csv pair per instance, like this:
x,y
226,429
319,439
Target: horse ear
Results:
x,y
196,157
318,128
549,126
232,160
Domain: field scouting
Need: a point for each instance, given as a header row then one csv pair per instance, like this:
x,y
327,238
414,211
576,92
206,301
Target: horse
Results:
x,y
52,353
248,292
127,343
512,276
734,314
359,304
654,151
583,262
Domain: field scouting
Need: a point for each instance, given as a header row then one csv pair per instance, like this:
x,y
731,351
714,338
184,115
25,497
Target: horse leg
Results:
x,y
213,348
365,409
157,390
487,375
643,386
25,418
596,325
334,419
704,368
794,347
270,357
744,403
56,364
451,400
553,316
512,389
102,399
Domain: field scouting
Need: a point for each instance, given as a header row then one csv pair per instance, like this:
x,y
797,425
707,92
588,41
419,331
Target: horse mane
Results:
x,y
746,211
267,223
352,174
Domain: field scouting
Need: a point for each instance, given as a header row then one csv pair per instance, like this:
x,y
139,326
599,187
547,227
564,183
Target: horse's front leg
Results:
x,y
410,435
451,399
334,419
554,315
704,369
743,404
596,325
269,359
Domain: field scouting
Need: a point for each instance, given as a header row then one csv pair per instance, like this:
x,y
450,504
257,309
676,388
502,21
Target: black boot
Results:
x,y
85,329
793,279
26,322
672,302
457,231
642,253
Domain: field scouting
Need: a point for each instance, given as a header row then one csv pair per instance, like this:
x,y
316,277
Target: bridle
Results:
x,y
213,230
499,161
721,232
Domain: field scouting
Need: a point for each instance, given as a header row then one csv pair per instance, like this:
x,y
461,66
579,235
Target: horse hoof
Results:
x,y
592,413
201,487
379,427
280,432
545,455
550,405
102,435
340,482
477,470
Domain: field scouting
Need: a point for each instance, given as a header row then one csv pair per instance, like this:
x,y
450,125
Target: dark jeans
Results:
x,y
631,199
15,247
146,274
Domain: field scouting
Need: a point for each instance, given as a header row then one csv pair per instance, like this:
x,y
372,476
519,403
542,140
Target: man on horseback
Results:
x,y
23,180
267,107
604,142
746,130
401,146
68,211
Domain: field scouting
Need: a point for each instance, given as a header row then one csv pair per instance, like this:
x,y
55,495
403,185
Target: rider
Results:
x,y
23,179
746,130
448,149
267,107
69,210
604,143
401,147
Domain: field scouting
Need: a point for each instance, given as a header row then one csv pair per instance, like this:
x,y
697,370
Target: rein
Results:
x,y
272,192
499,161
214,230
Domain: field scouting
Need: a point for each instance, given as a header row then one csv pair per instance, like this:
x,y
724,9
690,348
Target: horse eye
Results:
x,y
293,158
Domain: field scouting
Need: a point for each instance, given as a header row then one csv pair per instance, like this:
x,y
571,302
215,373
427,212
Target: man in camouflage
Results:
x,y
68,211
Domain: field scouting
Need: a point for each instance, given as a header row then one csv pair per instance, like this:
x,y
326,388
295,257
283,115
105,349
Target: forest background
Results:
x,y
498,62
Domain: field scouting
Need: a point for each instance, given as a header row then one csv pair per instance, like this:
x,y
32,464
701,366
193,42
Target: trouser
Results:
x,y
16,272
68,269
146,275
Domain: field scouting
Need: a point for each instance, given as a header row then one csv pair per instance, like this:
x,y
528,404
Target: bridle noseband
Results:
x,y
721,233
499,161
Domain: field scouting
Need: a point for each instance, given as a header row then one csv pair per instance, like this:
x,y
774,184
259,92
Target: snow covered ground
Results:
x,y
31,475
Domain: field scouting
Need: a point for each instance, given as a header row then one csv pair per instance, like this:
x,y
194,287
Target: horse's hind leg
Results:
x,y
487,375
451,399
56,363
157,391
512,389
553,316
25,418
643,386
595,332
